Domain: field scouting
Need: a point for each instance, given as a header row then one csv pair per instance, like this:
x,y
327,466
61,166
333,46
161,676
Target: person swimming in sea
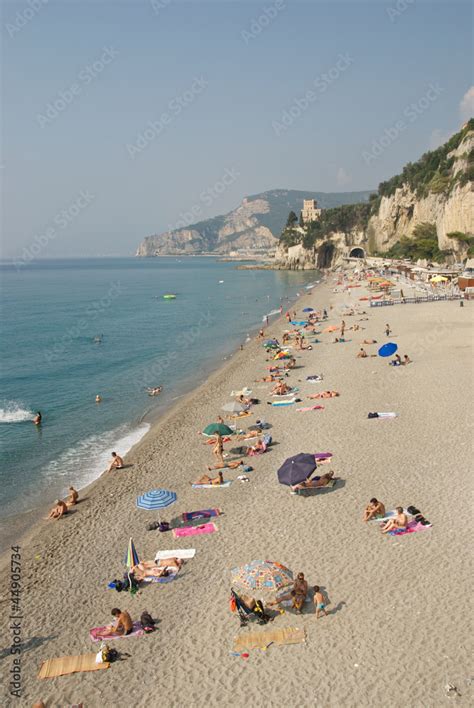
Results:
x,y
154,391
38,418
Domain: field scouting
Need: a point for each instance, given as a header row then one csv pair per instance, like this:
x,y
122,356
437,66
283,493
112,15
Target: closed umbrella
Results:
x,y
131,557
261,579
388,349
308,309
233,407
296,469
214,428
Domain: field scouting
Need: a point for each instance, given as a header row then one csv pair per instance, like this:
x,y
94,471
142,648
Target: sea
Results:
x,y
75,329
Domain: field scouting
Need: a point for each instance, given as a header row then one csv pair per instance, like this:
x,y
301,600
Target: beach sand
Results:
x,y
399,625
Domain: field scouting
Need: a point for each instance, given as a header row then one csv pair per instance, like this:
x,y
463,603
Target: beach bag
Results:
x,y
153,526
233,604
164,526
372,415
147,622
413,510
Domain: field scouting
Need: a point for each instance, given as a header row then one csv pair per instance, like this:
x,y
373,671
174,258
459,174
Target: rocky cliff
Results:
x,y
254,227
437,190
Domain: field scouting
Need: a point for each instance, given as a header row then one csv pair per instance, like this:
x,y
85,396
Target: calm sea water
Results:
x,y
52,313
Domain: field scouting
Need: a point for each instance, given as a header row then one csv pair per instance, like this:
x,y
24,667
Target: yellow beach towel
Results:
x,y
261,639
63,665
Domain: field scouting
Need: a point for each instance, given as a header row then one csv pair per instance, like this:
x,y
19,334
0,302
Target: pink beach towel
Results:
x,y
412,527
96,636
194,530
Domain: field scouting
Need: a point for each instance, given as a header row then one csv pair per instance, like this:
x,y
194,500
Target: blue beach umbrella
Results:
x,y
308,309
296,469
388,349
156,499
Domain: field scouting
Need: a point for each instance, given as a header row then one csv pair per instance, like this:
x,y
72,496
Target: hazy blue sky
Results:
x,y
122,118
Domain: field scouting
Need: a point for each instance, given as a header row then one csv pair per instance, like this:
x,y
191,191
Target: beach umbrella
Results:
x,y
131,556
331,328
388,349
296,469
156,499
308,309
261,579
214,428
233,407
438,279
282,355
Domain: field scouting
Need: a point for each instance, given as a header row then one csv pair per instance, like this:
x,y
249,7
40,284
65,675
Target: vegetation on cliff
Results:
x,y
422,245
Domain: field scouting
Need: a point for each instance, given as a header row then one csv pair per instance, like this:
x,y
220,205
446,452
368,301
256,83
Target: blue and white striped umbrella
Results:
x,y
156,499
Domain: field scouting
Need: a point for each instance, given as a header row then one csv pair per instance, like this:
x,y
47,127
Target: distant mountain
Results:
x,y
254,227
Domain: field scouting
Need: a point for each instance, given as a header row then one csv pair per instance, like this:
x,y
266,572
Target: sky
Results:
x,y
123,119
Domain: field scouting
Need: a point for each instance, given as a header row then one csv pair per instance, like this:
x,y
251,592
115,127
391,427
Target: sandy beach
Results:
x,y
399,626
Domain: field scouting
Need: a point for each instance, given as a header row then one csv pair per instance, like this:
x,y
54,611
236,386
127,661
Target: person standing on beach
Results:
x,y
343,328
388,331
218,449
319,602
115,463
267,321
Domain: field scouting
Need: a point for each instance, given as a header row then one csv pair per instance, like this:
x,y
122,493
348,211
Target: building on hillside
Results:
x,y
310,211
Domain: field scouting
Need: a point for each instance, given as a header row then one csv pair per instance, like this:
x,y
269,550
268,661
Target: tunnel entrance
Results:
x,y
357,253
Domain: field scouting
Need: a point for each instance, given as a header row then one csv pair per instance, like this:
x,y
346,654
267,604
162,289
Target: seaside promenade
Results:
x,y
399,626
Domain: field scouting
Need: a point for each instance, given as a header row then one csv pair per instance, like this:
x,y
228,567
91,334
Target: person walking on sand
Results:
x,y
319,602
388,331
115,463
343,328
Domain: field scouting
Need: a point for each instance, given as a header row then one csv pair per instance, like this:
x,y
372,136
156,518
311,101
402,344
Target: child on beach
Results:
x,y
319,602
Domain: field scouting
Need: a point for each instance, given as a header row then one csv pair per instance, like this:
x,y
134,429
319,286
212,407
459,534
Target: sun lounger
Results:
x,y
96,636
195,530
63,665
184,553
226,484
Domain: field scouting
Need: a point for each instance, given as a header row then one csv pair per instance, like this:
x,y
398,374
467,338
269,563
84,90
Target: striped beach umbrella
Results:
x,y
156,499
131,557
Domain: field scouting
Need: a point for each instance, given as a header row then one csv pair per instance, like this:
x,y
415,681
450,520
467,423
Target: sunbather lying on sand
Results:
x,y
369,341
374,509
205,479
316,482
325,394
60,509
399,522
156,569
268,379
225,465
280,389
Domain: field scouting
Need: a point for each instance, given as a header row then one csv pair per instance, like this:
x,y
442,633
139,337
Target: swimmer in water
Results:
x,y
38,418
98,399
154,391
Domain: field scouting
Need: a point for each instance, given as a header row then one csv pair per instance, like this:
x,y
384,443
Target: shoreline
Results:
x,y
22,526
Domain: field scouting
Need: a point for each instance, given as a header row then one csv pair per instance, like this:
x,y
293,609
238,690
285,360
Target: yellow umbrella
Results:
x,y
438,279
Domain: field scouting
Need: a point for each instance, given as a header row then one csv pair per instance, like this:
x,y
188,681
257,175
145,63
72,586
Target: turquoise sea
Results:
x,y
72,329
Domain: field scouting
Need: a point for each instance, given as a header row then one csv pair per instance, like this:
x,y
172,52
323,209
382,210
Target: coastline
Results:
x,y
391,582
26,524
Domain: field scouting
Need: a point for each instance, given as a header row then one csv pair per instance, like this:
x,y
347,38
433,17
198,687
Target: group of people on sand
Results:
x,y
61,507
298,595
376,510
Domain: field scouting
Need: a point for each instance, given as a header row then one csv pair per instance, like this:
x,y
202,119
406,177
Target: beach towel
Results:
x,y
310,408
201,514
372,416
412,527
184,553
94,633
263,638
244,392
388,515
213,486
195,530
283,403
63,665
164,579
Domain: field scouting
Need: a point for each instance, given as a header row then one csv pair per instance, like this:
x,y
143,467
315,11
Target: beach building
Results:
x,y
310,211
